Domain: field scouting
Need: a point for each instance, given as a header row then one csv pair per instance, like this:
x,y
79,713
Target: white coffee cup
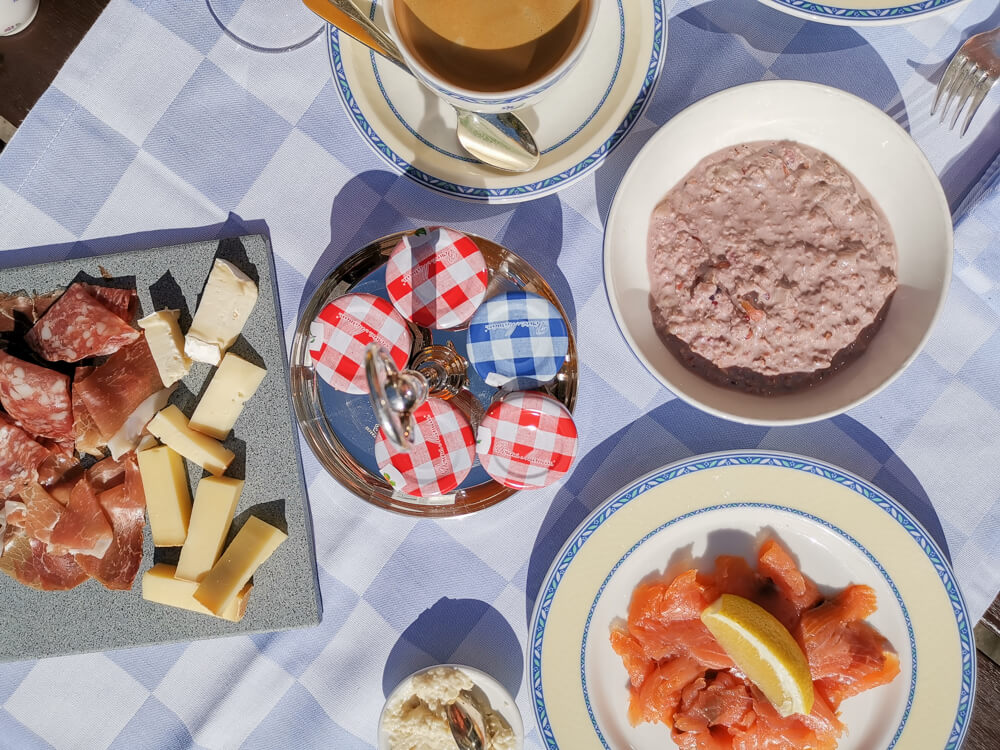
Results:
x,y
496,101
16,14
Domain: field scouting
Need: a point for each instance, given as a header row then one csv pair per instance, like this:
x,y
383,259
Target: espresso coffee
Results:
x,y
491,45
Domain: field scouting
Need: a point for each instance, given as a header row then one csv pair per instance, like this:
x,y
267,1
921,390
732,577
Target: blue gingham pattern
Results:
x,y
517,340
160,129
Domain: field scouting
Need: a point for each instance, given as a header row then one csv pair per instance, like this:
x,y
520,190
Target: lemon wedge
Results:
x,y
763,650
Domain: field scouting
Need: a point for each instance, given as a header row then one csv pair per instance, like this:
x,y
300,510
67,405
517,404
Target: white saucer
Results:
x,y
862,12
578,123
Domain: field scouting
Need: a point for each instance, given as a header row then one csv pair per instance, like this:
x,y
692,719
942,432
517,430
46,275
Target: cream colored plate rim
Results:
x,y
825,513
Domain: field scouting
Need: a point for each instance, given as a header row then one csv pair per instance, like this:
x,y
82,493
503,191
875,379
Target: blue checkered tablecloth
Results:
x,y
160,129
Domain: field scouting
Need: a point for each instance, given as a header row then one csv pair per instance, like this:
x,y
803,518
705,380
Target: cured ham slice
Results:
x,y
128,435
20,457
83,527
78,326
12,306
36,397
106,474
125,506
85,430
41,514
61,461
116,388
32,563
122,302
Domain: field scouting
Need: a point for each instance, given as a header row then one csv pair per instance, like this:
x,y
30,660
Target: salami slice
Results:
x,y
122,302
78,326
36,397
34,564
82,527
20,457
114,389
125,506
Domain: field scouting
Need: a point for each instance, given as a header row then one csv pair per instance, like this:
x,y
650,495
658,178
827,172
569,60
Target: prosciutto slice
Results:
x,y
78,326
82,527
125,506
36,397
116,388
122,302
85,430
12,306
32,563
61,461
20,457
41,513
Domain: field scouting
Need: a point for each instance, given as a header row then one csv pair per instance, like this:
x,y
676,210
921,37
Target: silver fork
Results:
x,y
969,76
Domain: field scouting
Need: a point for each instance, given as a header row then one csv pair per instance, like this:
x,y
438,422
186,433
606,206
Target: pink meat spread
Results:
x,y
770,266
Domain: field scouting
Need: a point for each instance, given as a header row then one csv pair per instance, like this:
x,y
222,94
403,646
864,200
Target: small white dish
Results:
x,y
841,530
501,701
576,125
870,145
862,12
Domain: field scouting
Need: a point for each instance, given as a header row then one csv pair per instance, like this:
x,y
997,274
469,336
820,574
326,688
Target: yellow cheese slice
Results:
x,y
159,585
166,344
171,427
254,543
226,303
168,499
234,383
215,503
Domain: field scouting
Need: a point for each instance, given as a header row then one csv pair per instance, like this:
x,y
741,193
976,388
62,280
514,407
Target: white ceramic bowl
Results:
x,y
501,701
874,149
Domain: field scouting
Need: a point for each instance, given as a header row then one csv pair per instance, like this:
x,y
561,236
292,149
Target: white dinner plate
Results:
x,y
578,123
841,529
862,12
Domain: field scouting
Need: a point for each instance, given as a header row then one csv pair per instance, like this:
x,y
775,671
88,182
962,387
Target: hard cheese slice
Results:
x,y
171,427
159,585
214,505
168,500
226,303
254,543
232,386
166,342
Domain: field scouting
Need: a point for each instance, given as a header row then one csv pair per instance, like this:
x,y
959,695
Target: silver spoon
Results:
x,y
499,140
466,722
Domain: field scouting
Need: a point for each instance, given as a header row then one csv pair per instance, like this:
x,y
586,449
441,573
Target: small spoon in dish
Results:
x,y
466,722
498,140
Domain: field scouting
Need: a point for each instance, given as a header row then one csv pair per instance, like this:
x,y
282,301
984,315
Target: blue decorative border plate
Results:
x,y
528,190
860,16
868,491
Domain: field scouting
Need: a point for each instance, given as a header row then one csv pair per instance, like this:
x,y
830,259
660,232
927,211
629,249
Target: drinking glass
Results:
x,y
266,25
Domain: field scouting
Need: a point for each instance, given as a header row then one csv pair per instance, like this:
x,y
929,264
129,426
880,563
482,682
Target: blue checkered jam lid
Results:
x,y
517,340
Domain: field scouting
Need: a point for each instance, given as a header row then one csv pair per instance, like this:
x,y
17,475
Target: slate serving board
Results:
x,y
286,591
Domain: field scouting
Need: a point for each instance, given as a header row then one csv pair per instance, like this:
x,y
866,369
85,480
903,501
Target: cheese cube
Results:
x,y
232,386
225,305
215,503
254,543
159,585
166,344
168,500
171,427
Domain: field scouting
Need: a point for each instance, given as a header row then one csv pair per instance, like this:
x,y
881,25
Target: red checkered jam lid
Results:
x,y
526,440
440,458
339,334
436,277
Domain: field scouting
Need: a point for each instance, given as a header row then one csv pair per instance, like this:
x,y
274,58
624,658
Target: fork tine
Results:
x,y
982,88
946,80
956,83
965,89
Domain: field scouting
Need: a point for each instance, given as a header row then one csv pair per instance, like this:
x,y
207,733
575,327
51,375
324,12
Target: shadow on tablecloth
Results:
x,y
675,431
457,631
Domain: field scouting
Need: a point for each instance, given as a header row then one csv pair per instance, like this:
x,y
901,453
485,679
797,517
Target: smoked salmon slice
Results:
x,y
679,675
